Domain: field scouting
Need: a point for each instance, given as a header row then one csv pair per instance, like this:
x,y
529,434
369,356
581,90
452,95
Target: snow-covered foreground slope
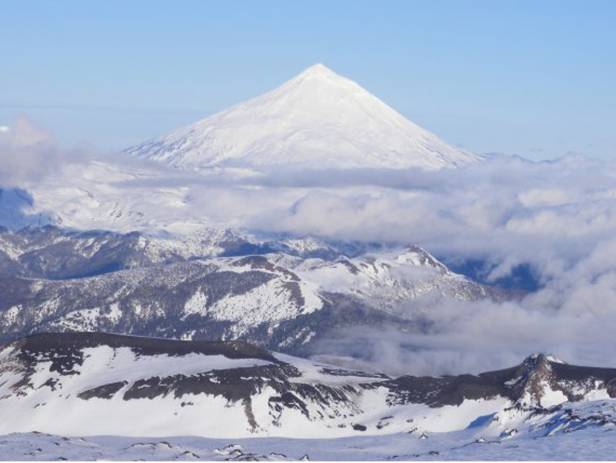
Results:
x,y
593,441
316,120
78,384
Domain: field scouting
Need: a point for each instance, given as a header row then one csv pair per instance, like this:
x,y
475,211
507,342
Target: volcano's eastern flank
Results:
x,y
316,120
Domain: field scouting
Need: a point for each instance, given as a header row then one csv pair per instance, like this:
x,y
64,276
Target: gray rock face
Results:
x,y
526,385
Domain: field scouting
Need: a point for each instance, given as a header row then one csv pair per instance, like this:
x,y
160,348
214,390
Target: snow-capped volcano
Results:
x,y
318,120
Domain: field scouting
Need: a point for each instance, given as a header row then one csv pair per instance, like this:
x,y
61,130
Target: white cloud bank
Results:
x,y
559,217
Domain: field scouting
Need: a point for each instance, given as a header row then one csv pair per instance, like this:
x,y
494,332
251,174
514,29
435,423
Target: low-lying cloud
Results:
x,y
28,153
557,217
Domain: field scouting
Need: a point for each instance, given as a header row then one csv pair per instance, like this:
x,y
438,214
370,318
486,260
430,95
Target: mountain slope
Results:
x,y
316,120
56,253
282,301
104,384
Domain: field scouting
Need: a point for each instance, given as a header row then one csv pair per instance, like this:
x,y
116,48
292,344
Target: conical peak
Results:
x,y
536,359
539,359
536,366
318,119
318,70
319,75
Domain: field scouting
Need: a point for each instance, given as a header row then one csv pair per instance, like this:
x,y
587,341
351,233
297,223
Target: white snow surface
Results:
x,y
317,120
104,365
539,438
110,428
53,395
385,278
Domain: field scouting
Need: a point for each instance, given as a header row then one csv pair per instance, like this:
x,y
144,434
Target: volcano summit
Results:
x,y
316,120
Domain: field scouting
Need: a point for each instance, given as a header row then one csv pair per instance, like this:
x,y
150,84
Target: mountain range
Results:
x,y
286,294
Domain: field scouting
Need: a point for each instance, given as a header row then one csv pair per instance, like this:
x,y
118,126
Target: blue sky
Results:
x,y
536,78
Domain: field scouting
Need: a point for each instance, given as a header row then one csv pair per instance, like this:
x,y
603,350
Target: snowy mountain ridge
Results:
x,y
283,301
316,120
99,382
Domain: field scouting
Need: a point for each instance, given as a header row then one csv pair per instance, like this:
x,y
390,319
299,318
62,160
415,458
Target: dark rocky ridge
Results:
x,y
59,344
523,384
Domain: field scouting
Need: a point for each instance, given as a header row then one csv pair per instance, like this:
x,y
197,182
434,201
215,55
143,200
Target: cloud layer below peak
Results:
x,y
558,218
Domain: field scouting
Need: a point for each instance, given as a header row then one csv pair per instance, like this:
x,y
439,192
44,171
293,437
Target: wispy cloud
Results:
x,y
29,152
